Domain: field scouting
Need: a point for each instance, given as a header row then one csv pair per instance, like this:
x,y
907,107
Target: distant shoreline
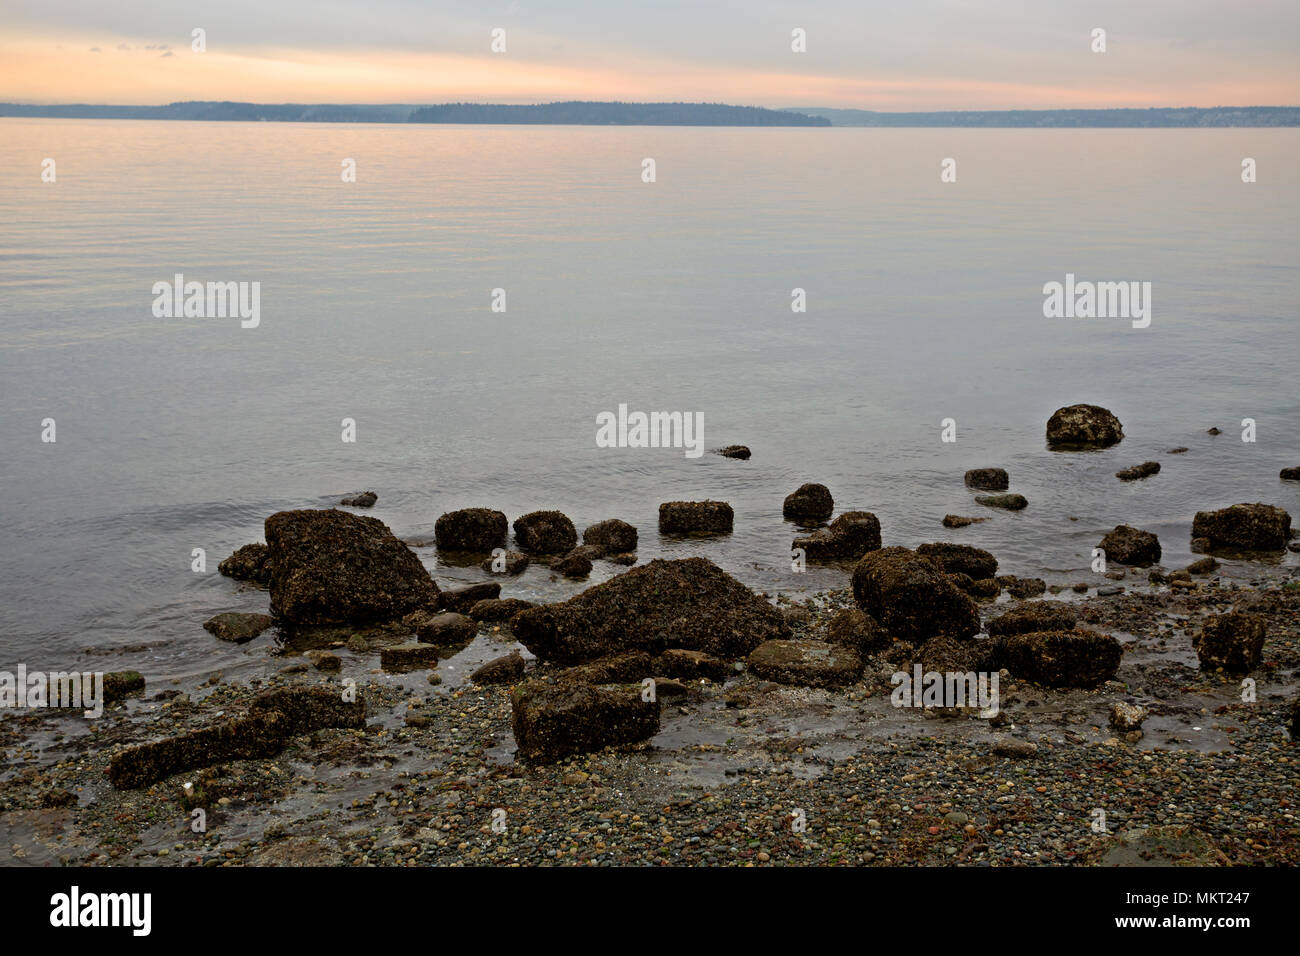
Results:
x,y
676,114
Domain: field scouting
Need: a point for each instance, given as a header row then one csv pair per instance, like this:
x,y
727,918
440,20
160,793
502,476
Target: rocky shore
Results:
x,y
671,715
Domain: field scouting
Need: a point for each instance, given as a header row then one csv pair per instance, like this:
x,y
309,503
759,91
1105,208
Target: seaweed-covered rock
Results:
x,y
735,451
848,538
502,670
119,685
1127,718
1232,641
1022,588
961,559
546,532
1144,470
308,709
1060,658
612,536
235,627
334,567
250,563
448,628
1083,426
365,499
688,603
502,609
911,596
411,656
960,521
1126,545
471,529
1005,502
947,656
696,517
1034,616
626,667
551,722
462,599
1290,474
988,479
575,564
809,502
1248,527
245,738
507,562
691,665
857,629
982,589
806,663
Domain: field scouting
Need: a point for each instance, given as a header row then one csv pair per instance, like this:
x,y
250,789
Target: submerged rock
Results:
x,y
334,567
575,564
911,597
806,663
1060,658
551,722
1005,502
1232,641
511,562
1083,426
734,451
471,529
1144,470
849,537
546,532
688,603
696,517
1126,545
612,536
250,563
960,521
988,479
810,502
1248,527
237,628
366,499
961,559
1290,474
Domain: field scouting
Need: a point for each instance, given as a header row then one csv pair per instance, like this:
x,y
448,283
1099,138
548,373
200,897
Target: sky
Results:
x,y
898,55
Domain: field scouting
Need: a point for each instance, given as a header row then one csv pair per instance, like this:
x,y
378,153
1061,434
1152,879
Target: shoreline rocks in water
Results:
x,y
612,536
809,502
471,529
960,521
734,451
446,629
1144,470
1005,502
911,597
961,559
1083,426
500,609
696,517
849,537
335,567
250,563
237,627
1289,474
1127,545
988,479
545,532
365,499
1247,527
462,599
507,562
686,603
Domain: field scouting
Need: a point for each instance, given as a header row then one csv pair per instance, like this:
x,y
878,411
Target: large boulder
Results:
x,y
1233,642
611,536
696,517
551,722
810,502
1247,527
250,563
1060,658
1083,426
546,532
961,559
988,479
1126,545
849,537
1034,616
334,567
471,529
688,603
910,595
806,663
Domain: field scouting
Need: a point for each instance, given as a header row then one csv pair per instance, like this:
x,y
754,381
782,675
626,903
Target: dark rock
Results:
x,y
1015,749
1177,451
1144,470
627,667
57,798
334,567
119,685
1005,502
734,451
575,564
1213,431
503,670
546,532
958,521
471,529
1203,566
1083,426
688,603
237,628
462,599
308,709
448,628
1034,616
857,629
611,536
810,502
1023,588
499,610
1126,545
695,517
1200,545
1294,724
250,563
1290,474
911,597
246,738
1232,641
1060,658
408,657
552,722
961,559
945,655
806,663
988,479
511,562
849,537
1248,527
366,499
627,559
986,589
692,665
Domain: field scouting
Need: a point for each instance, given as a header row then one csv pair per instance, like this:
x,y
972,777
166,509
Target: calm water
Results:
x,y
924,302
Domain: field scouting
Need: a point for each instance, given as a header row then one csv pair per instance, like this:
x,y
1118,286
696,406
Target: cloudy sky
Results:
x,y
894,55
